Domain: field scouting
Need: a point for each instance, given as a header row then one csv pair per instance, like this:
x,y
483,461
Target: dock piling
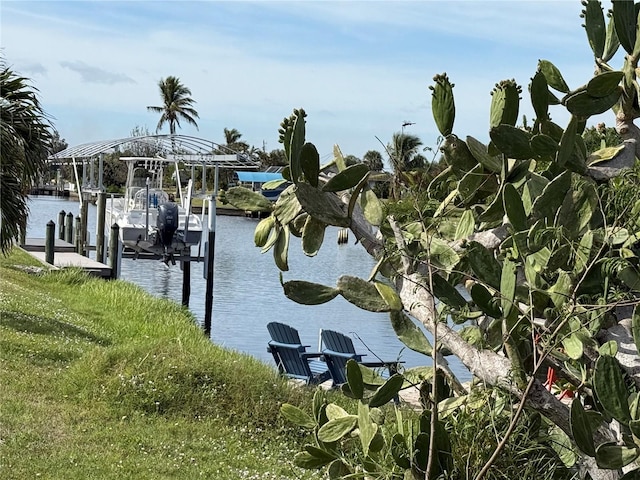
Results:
x,y
210,254
49,242
102,206
68,228
61,217
113,250
78,235
186,282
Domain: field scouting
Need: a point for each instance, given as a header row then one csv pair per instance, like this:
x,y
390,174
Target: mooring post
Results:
x,y
84,209
186,281
61,217
68,228
210,250
78,234
49,242
113,250
102,207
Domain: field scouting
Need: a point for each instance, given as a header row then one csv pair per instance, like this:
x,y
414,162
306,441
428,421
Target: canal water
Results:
x,y
247,292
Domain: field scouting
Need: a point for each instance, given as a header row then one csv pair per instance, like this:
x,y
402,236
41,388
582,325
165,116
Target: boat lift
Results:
x,y
193,152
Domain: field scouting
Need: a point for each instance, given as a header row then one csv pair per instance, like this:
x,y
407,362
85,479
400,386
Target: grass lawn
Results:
x,y
101,380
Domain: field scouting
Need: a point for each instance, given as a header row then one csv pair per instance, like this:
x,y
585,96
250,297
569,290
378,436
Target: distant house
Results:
x,y
255,181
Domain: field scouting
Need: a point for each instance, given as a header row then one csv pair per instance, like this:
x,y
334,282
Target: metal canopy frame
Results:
x,y
193,151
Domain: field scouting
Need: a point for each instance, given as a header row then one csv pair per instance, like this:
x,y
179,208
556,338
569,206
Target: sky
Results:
x,y
360,69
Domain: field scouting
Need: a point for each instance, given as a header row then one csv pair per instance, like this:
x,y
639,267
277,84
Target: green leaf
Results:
x,y
595,27
400,452
495,211
318,405
469,185
612,456
604,83
295,148
549,201
362,294
635,327
581,429
368,429
409,333
553,76
466,225
312,236
308,461
514,208
287,207
560,292
338,470
608,348
371,207
354,379
389,295
297,416
484,264
442,254
532,190
625,18
512,141
507,286
442,104
334,411
447,293
335,429
561,443
539,92
262,231
568,142
310,163
308,293
481,154
339,158
581,104
326,207
387,392
631,278
573,346
612,42
347,178
611,389
485,301
248,200
543,145
281,249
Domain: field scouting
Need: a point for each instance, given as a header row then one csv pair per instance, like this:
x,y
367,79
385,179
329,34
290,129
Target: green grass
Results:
x,y
101,380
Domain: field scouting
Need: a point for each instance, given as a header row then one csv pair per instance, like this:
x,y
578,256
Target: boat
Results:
x,y
150,219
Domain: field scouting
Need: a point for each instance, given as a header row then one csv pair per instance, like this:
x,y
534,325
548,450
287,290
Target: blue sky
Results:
x,y
359,68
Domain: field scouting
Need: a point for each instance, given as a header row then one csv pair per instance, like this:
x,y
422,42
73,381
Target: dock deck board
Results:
x,y
65,256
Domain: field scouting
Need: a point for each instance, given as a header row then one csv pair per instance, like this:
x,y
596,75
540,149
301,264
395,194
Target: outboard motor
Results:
x,y
167,223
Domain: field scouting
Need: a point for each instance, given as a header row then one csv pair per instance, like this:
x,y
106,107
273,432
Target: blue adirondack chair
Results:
x,y
338,349
292,358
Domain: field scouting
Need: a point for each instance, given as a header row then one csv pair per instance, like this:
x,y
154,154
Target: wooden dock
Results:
x,y
65,256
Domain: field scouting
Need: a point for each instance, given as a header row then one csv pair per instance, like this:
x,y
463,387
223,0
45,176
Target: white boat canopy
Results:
x,y
192,151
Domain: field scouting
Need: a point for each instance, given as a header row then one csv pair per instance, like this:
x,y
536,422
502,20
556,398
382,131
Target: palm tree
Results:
x,y
176,104
232,139
26,137
404,156
373,159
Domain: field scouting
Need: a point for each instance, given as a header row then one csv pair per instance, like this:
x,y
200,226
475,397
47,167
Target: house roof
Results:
x,y
258,177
